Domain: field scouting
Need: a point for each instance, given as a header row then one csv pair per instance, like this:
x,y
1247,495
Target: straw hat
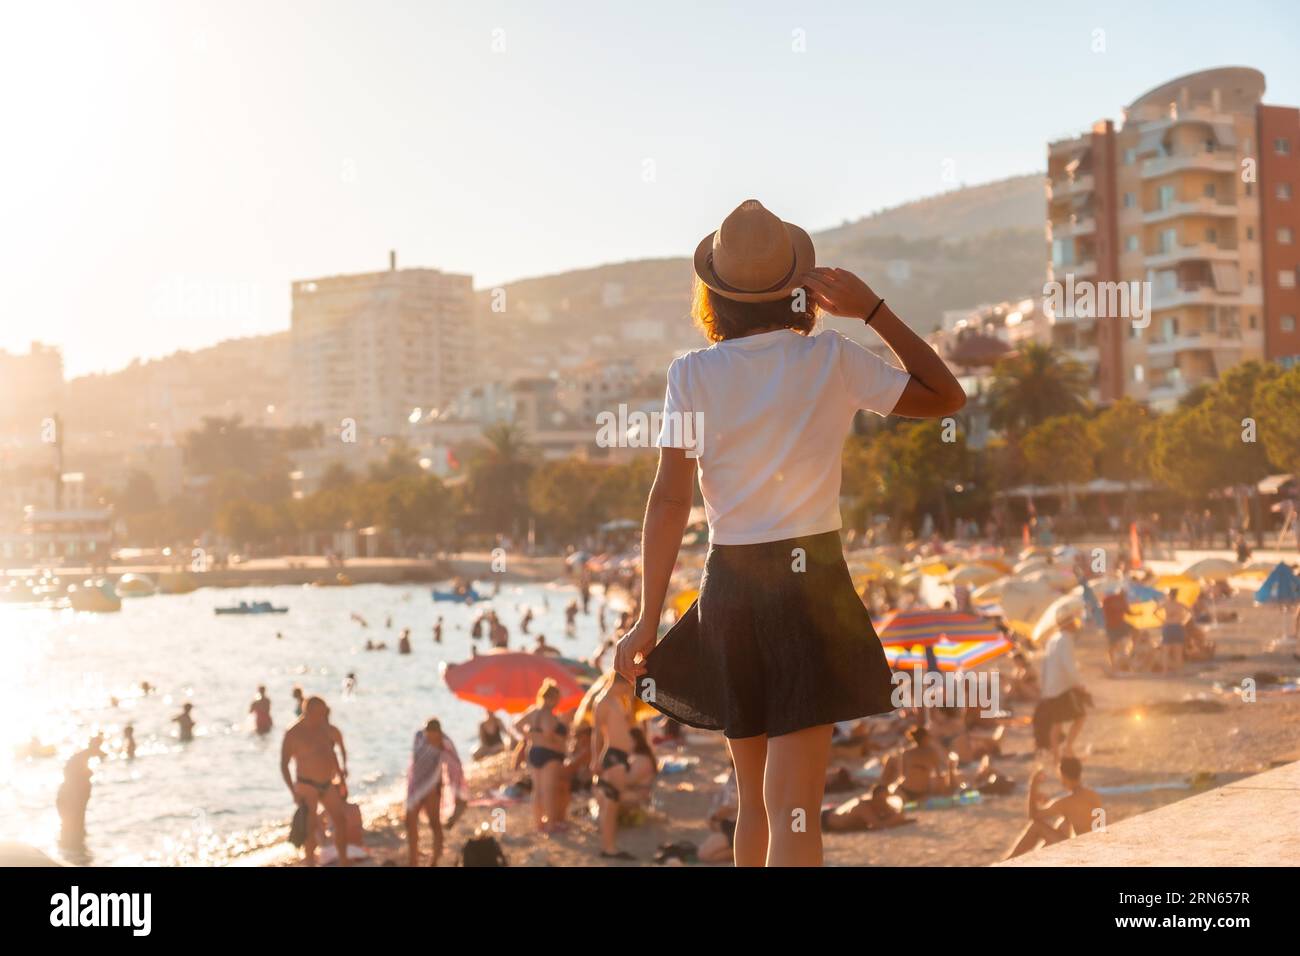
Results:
x,y
754,256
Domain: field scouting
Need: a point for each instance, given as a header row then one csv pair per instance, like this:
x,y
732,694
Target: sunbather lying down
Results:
x,y
877,810
922,771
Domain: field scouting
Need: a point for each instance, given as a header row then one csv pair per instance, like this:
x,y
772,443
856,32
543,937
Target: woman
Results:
x,y
778,646
435,785
491,736
546,737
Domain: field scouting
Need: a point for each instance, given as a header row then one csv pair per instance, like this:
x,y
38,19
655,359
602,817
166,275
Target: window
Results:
x,y
1139,374
1131,243
1209,190
1253,321
1130,200
1212,236
1130,156
1285,235
1282,146
1165,197
1287,323
1250,233
1168,240
1283,190
1286,279
1250,189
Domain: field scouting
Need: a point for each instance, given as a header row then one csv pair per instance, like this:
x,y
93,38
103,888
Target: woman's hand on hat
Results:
x,y
840,292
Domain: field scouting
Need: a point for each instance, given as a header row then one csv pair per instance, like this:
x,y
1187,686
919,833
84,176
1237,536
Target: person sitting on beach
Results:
x,y
546,650
320,759
920,769
952,729
875,811
1173,618
260,708
643,766
1023,685
612,745
546,737
1079,811
185,724
435,785
492,734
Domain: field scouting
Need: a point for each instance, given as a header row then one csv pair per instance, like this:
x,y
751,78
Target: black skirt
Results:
x,y
775,643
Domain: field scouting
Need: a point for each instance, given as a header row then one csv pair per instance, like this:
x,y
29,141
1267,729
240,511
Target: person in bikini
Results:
x,y
612,747
320,759
1079,811
546,739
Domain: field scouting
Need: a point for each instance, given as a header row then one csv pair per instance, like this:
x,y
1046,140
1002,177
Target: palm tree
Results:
x,y
1035,384
499,475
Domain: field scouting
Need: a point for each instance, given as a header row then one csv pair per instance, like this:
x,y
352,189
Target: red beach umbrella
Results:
x,y
509,681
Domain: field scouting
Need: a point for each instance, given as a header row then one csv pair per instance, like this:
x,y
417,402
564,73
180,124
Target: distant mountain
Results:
x,y
961,248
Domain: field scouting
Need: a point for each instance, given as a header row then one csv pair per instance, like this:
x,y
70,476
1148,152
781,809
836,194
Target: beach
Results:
x,y
1150,740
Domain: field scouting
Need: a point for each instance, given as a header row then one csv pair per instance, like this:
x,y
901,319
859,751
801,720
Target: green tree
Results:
x,y
1061,450
1035,384
1277,412
498,479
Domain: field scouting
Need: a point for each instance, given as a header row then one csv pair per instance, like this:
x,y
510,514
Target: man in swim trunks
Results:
x,y
1174,618
1114,610
612,745
315,747
74,795
1079,811
185,723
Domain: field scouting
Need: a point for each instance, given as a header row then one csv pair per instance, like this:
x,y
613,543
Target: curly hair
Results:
x,y
720,318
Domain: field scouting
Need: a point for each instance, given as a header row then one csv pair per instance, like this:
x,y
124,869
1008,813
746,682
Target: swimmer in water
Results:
x,y
404,642
185,722
128,741
437,630
74,795
260,708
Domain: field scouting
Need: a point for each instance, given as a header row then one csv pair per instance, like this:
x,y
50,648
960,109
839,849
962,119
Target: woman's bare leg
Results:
x,y
413,837
749,757
539,796
793,786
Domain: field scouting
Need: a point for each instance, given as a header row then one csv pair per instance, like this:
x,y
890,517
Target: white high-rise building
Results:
x,y
373,347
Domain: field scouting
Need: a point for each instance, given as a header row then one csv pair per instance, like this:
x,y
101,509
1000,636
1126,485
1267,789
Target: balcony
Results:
x,y
1066,188
1196,341
1074,227
1202,160
1080,270
1204,294
1194,250
1191,207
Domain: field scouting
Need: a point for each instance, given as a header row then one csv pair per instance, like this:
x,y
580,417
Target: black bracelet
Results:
x,y
872,314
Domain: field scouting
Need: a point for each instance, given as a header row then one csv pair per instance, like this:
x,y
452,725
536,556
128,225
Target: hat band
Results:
x,y
780,284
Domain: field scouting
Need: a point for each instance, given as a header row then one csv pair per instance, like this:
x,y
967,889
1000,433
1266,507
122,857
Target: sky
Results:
x,y
167,169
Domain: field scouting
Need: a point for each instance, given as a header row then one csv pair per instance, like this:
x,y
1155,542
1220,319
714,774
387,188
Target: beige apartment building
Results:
x,y
1193,192
372,348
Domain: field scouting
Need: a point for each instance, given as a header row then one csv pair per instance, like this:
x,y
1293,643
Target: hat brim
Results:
x,y
805,258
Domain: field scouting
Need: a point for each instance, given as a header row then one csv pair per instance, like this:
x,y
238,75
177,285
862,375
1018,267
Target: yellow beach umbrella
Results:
x,y
1189,589
972,574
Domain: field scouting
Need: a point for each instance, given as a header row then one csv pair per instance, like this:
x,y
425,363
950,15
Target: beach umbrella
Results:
x,y
1023,602
1028,565
1212,569
972,574
1280,587
1067,607
1189,589
1053,575
1034,551
988,593
922,626
509,681
950,655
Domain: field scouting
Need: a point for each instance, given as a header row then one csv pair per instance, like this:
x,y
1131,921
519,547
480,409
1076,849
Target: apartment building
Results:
x,y
1193,193
372,348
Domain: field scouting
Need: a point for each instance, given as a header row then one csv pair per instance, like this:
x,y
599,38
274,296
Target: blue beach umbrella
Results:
x,y
1280,587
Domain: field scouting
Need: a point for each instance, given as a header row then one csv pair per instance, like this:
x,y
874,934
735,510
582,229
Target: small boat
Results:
x,y
468,596
176,582
95,596
135,585
257,607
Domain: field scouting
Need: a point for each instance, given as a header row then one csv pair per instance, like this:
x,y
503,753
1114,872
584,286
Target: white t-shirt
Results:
x,y
766,415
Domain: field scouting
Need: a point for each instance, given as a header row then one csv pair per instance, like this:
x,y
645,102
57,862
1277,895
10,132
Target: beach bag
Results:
x,y
483,850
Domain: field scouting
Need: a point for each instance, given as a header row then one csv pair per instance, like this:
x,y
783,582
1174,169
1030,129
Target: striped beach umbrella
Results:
x,y
951,656
922,626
